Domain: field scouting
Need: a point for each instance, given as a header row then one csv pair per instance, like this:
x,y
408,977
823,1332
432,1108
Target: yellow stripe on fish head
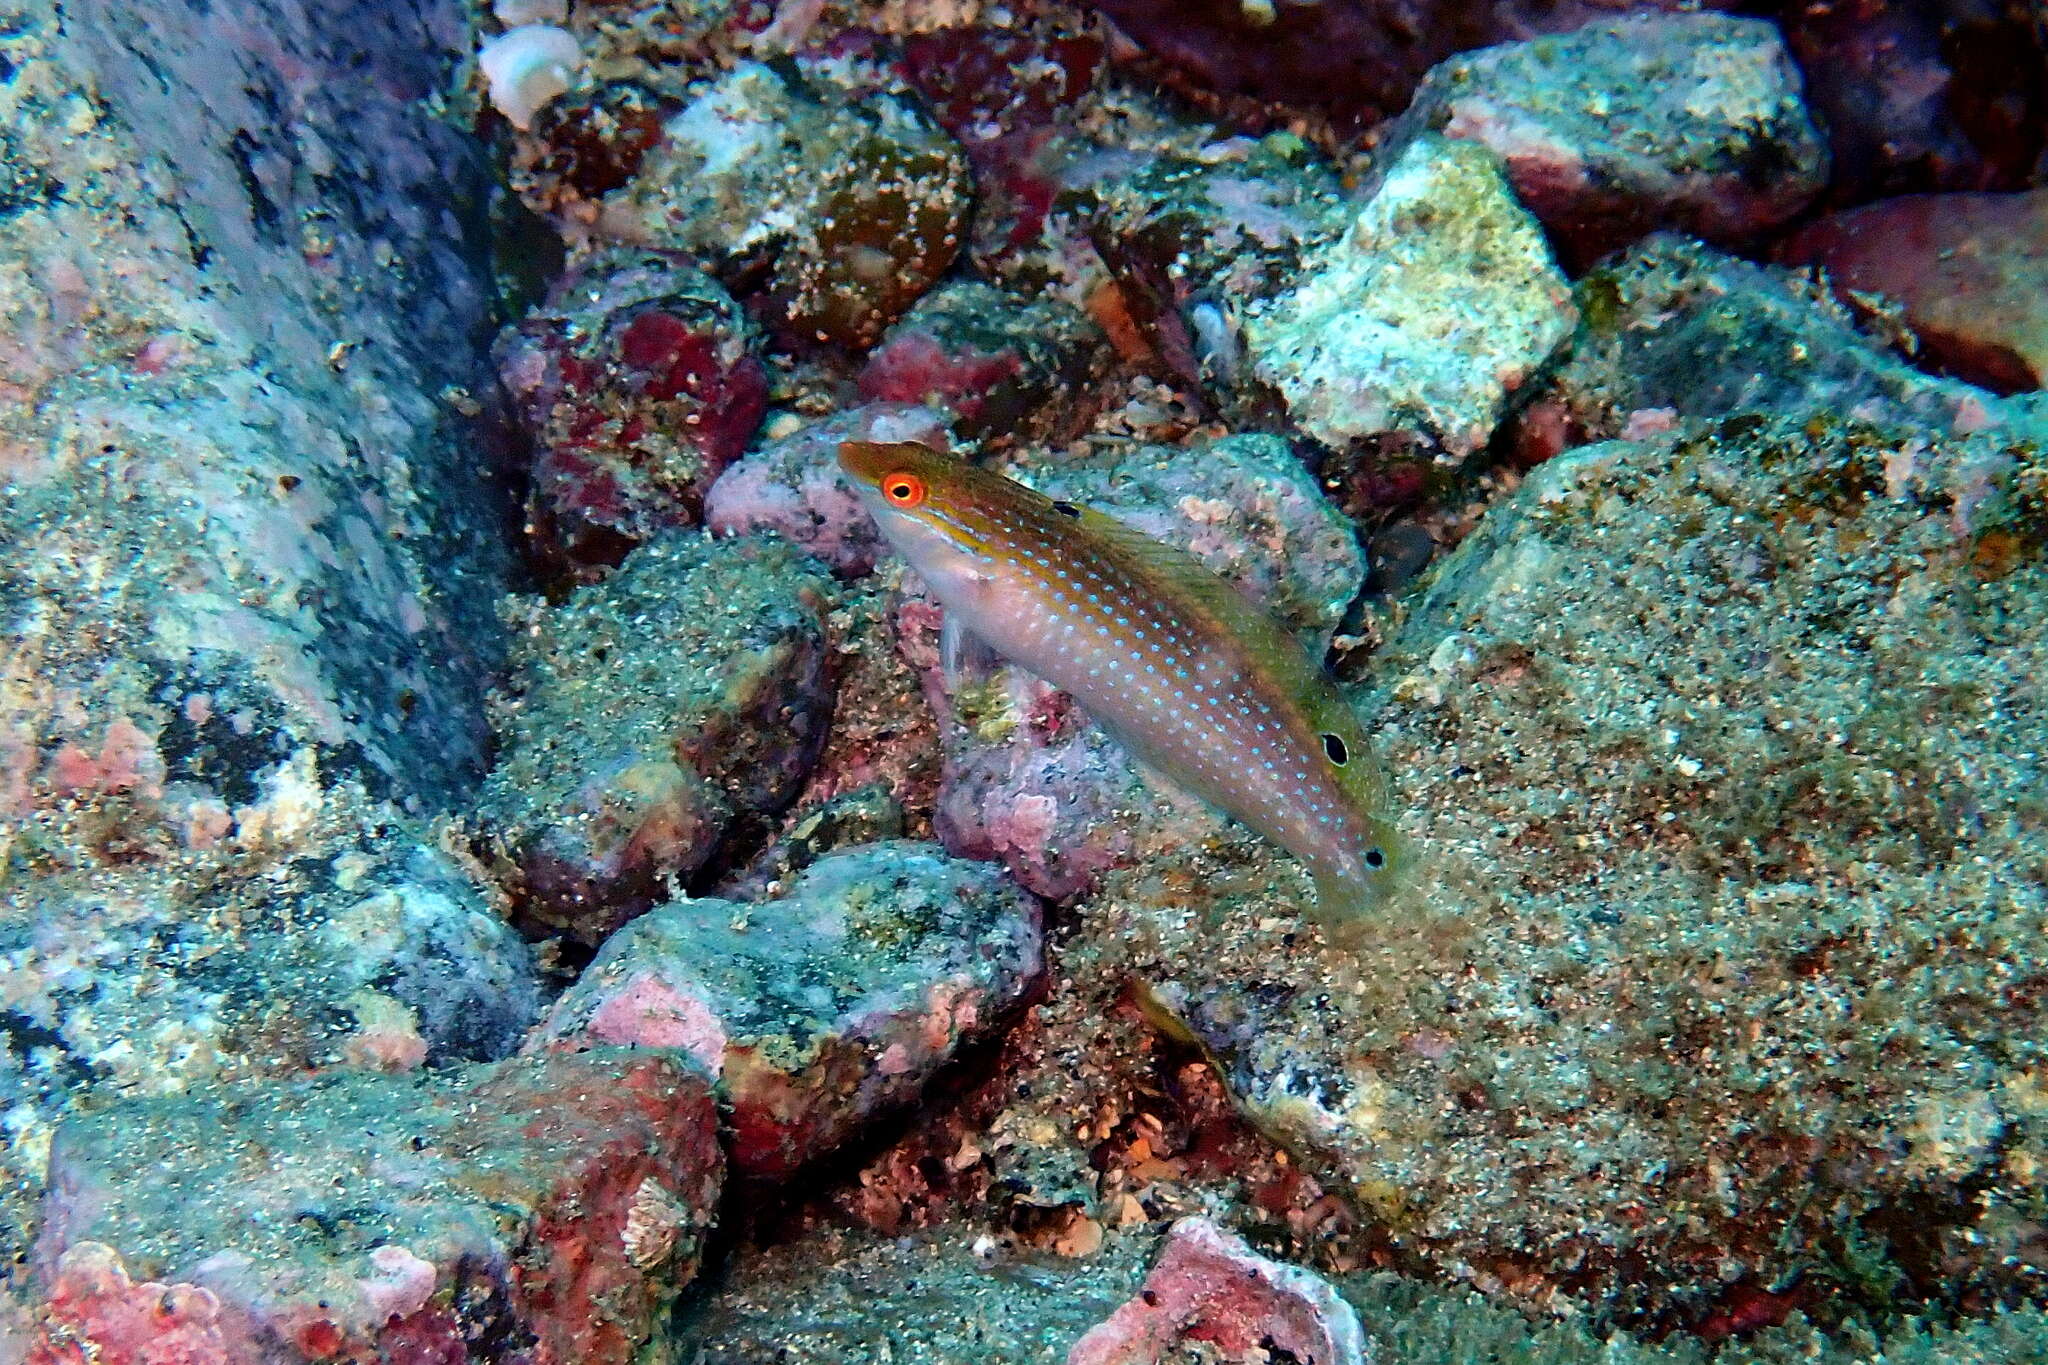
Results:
x,y
941,512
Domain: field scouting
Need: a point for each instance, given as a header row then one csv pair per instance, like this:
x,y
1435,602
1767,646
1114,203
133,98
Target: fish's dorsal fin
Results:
x,y
1237,615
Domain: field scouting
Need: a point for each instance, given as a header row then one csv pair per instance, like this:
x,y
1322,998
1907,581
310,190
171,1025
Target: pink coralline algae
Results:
x,y
97,1315
1004,368
548,1204
1209,1287
637,387
1969,271
820,1008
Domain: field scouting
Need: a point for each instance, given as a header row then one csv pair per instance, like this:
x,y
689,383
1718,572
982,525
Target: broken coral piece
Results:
x,y
528,66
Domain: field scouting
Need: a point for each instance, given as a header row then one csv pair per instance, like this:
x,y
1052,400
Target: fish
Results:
x,y
1193,678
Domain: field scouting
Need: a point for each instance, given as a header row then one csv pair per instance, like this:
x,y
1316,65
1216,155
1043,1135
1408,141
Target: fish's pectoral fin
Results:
x,y
1345,908
964,657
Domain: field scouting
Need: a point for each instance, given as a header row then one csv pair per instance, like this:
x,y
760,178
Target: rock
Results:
x,y
1922,95
884,736
822,1008
541,1210
1675,329
1689,121
637,387
1359,59
1029,780
860,200
934,1298
644,716
1718,746
1969,273
1437,304
1004,369
1009,94
253,548
1208,1286
1172,244
862,815
792,486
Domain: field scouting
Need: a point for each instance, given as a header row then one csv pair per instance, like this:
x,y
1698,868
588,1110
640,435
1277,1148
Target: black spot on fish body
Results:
x,y
1066,509
1334,746
1374,858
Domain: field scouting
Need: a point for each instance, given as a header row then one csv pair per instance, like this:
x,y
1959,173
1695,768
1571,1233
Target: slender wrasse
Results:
x,y
1188,674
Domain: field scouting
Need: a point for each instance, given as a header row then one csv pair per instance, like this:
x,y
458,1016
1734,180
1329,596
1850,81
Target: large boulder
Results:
x,y
1721,754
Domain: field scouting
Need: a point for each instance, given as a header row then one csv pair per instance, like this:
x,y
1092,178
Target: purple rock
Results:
x,y
793,488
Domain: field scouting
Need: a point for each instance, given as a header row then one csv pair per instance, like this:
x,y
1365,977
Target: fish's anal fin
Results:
x,y
1165,788
963,656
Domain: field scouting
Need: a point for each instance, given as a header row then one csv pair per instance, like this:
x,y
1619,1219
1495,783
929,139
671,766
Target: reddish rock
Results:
x,y
637,388
1002,367
793,488
1969,271
1208,1286
645,715
1007,95
818,1010
534,1211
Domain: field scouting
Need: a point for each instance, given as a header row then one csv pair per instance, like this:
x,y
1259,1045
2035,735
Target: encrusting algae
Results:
x,y
1184,671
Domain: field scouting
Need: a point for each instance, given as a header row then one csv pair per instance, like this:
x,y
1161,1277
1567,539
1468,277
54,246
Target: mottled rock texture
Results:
x,y
1690,121
1005,368
1673,328
1439,302
636,385
846,1299
821,1007
538,1211
648,713
1722,749
253,546
860,200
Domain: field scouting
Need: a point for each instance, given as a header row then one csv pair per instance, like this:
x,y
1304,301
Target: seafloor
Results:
x,y
495,866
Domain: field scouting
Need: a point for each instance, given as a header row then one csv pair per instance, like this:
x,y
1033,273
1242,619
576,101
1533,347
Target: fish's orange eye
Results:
x,y
904,490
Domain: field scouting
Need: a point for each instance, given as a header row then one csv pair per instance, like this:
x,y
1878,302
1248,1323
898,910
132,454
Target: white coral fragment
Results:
x,y
527,67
